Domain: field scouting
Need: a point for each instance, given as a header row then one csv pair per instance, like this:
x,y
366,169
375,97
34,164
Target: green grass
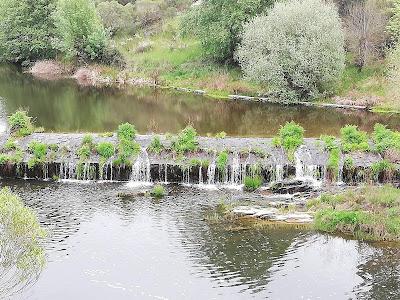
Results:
x,y
252,183
156,146
39,153
222,160
333,148
175,61
353,139
185,141
290,137
370,213
158,191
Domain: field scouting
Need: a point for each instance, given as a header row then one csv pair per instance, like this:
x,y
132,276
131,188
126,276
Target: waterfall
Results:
x,y
201,175
299,165
141,169
236,170
186,176
211,173
166,173
279,173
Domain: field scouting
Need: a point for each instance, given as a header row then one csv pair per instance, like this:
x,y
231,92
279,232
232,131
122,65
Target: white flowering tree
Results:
x,y
297,49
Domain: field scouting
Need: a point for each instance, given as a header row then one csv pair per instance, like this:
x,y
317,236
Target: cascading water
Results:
x,y
236,170
211,173
141,169
279,173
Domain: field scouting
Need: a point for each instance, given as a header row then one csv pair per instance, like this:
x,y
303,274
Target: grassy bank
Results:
x,y
170,60
369,213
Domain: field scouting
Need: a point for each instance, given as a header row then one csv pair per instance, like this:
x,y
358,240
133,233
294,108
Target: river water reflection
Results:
x,y
105,247
66,107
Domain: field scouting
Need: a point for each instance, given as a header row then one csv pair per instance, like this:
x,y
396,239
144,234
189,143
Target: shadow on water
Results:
x,y
64,106
104,247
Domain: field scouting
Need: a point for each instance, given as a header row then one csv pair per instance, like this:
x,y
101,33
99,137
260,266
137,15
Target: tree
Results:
x,y
393,26
219,23
26,30
80,31
297,49
365,31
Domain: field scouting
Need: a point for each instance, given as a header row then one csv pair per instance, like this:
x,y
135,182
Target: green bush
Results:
x,y
382,166
158,191
105,150
290,137
297,49
39,151
186,141
334,154
219,23
353,140
393,26
126,131
26,30
156,146
80,31
252,183
84,152
20,123
385,139
222,160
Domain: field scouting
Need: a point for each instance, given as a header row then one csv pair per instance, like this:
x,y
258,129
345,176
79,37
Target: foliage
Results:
x,y
39,151
393,72
117,17
221,135
297,49
156,146
105,150
26,30
158,191
20,123
290,137
252,183
127,148
222,160
382,167
353,140
126,131
11,144
333,148
185,141
367,213
219,23
393,26
80,31
22,257
385,139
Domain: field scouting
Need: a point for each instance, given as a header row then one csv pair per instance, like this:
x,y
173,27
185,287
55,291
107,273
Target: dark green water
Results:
x,y
64,106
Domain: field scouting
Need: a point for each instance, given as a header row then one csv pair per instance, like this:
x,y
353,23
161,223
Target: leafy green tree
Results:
x,y
26,30
219,23
80,31
393,26
297,49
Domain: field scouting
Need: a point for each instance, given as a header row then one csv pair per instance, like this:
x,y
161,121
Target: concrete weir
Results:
x,y
246,157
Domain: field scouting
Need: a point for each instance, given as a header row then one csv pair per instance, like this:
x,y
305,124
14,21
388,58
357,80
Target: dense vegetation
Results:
x,y
370,213
22,257
227,46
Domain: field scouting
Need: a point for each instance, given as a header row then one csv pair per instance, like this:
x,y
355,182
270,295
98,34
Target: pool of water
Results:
x,y
64,106
103,247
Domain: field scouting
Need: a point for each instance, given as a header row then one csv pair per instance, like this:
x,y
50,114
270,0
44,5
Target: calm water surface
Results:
x,y
104,247
65,106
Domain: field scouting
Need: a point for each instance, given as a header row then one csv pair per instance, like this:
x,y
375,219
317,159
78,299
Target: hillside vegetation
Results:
x,y
256,47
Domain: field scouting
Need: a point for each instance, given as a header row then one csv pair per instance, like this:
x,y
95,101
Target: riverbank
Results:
x,y
98,75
